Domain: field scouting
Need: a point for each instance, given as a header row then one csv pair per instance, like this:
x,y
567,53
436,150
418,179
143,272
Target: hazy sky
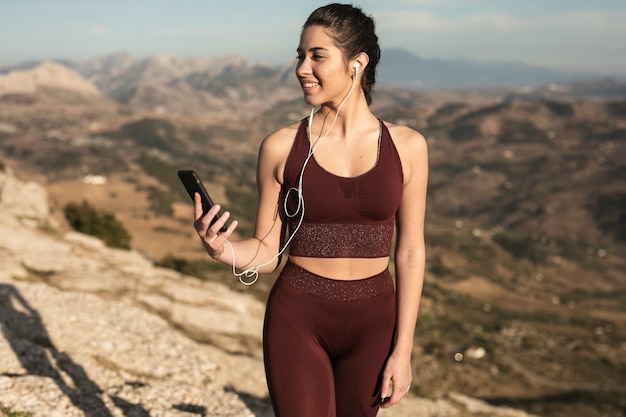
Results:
x,y
560,34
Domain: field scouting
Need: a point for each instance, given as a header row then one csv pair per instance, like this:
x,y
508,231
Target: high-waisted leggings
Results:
x,y
326,342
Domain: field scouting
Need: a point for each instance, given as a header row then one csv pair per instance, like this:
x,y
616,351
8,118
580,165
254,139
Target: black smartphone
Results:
x,y
381,401
193,185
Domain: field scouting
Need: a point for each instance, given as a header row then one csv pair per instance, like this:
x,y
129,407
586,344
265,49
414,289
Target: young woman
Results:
x,y
338,333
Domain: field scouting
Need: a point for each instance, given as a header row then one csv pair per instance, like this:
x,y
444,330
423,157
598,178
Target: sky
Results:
x,y
570,35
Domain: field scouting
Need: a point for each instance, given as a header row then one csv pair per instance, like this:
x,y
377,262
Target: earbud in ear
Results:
x,y
357,66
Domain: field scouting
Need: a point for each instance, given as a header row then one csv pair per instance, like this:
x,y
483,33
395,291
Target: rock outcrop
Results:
x,y
90,330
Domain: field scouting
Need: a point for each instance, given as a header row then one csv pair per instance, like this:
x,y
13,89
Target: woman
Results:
x,y
338,336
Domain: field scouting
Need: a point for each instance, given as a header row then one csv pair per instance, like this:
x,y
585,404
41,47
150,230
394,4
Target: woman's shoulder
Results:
x,y
275,149
281,137
412,149
406,138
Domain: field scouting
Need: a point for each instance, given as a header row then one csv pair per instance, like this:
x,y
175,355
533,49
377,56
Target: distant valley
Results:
x,y
526,212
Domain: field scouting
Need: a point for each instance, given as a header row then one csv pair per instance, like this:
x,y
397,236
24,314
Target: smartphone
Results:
x,y
381,401
191,182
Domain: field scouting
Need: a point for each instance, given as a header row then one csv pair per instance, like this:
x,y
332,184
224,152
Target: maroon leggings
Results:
x,y
325,343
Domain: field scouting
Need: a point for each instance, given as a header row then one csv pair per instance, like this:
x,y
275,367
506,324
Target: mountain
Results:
x,y
577,90
402,68
217,86
398,67
233,86
46,75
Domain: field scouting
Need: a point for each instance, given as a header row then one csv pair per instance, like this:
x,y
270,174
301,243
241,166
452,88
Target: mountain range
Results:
x,y
405,69
526,228
398,67
233,86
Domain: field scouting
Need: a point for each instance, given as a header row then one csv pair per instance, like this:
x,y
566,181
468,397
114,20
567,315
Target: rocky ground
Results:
x,y
87,330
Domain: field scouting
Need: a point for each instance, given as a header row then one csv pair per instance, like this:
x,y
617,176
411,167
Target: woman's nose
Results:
x,y
302,69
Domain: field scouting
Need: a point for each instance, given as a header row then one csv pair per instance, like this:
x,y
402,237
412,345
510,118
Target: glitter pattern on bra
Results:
x,y
337,290
331,240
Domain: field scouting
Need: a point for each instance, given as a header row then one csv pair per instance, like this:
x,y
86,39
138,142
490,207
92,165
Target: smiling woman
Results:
x,y
335,188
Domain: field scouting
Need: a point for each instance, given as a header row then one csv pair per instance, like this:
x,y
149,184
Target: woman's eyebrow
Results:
x,y
313,49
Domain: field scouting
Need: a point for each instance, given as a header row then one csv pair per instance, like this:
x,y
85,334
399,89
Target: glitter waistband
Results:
x,y
336,290
330,240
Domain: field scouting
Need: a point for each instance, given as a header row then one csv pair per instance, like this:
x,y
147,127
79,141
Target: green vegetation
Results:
x,y
99,159
520,131
201,269
11,413
609,211
86,219
210,134
437,268
152,133
560,108
197,135
487,110
617,108
449,109
161,170
243,203
520,247
465,131
160,201
182,265
161,198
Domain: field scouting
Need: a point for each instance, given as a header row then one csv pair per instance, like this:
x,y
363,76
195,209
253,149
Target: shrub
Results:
x,y
610,214
520,131
520,247
560,108
8,412
160,201
86,219
199,268
465,131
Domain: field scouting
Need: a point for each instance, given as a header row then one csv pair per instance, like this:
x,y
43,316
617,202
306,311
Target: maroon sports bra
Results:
x,y
344,217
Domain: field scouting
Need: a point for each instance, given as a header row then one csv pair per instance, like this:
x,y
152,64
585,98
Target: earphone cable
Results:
x,y
253,272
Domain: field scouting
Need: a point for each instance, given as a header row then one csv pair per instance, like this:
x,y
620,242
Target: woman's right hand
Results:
x,y
210,235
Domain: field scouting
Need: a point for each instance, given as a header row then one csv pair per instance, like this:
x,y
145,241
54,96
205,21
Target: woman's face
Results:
x,y
321,69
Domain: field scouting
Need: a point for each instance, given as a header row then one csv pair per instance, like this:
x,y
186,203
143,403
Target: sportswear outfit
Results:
x,y
326,340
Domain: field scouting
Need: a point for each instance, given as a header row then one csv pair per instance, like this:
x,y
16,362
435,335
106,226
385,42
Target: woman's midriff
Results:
x,y
342,268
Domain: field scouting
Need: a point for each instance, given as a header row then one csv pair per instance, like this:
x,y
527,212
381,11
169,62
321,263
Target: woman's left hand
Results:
x,y
397,378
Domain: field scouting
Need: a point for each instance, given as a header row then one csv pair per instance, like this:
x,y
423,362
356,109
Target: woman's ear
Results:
x,y
360,62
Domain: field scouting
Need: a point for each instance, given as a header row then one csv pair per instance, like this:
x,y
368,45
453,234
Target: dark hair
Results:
x,y
354,32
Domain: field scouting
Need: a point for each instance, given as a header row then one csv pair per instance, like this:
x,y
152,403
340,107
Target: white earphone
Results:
x,y
253,272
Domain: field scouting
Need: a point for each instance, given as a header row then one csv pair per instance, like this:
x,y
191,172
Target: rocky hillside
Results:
x,y
88,330
93,331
